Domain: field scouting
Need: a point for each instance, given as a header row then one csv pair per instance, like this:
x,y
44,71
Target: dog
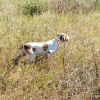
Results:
x,y
30,50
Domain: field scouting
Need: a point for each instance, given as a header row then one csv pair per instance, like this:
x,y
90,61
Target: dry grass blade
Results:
x,y
95,64
72,73
64,60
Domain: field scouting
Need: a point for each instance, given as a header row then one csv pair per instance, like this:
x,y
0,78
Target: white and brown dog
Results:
x,y
43,48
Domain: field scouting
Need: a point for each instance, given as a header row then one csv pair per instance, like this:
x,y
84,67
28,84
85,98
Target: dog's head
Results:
x,y
62,37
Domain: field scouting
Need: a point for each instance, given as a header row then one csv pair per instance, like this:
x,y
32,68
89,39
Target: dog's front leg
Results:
x,y
49,53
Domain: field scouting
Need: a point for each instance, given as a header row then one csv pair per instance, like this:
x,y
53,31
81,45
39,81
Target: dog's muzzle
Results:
x,y
68,38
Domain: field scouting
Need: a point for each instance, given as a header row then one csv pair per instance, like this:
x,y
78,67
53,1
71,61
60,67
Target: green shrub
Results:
x,y
35,7
96,4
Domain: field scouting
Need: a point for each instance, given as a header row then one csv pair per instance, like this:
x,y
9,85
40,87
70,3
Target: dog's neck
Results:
x,y
57,39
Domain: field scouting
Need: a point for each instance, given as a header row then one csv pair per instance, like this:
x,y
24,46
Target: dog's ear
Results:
x,y
63,38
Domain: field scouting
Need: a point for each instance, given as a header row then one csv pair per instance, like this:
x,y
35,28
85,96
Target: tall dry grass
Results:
x,y
76,79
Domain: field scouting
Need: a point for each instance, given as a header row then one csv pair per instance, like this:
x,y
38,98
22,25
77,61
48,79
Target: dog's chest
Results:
x,y
52,45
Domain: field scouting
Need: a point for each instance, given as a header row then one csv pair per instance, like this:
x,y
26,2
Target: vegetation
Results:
x,y
35,7
96,4
77,78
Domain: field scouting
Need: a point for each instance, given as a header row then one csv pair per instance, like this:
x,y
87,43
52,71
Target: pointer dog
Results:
x,y
44,48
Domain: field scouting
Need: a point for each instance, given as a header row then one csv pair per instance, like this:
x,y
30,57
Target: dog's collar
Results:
x,y
56,40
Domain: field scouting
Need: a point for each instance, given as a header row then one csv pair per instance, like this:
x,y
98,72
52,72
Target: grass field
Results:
x,y
78,78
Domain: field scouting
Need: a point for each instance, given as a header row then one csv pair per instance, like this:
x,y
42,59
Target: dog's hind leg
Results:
x,y
18,57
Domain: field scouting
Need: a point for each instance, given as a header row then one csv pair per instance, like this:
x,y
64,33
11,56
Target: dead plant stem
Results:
x,y
64,61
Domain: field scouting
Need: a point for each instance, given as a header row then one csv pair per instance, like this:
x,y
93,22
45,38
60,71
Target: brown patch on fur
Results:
x,y
34,49
26,47
45,46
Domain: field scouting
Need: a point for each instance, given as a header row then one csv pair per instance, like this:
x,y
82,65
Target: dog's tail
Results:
x,y
16,58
